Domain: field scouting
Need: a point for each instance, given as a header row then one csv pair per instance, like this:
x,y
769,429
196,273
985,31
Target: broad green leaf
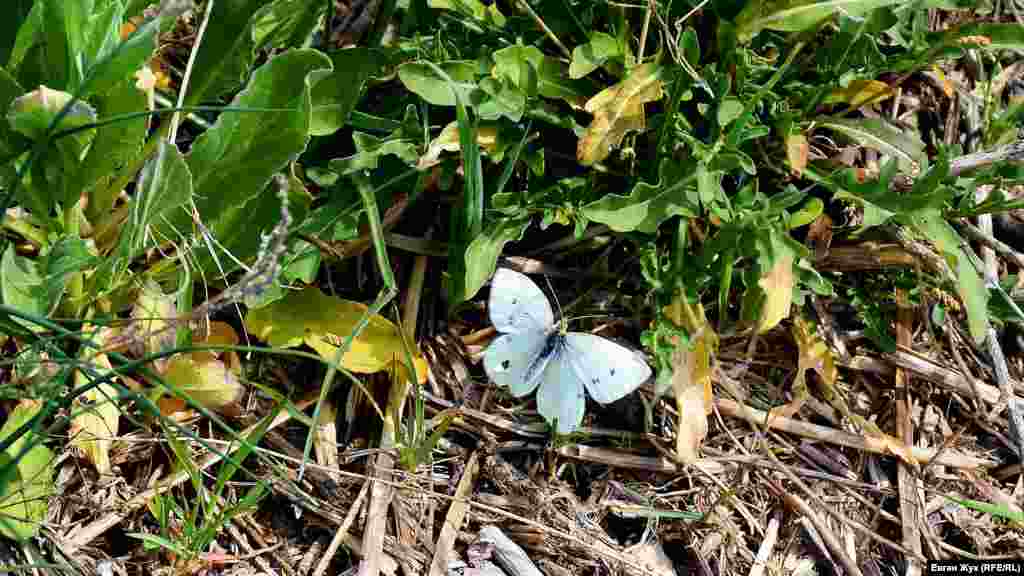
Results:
x,y
809,213
286,23
29,486
875,133
335,96
16,15
421,80
590,56
520,65
798,15
647,206
553,82
64,41
162,192
483,252
68,255
504,100
32,113
324,322
225,56
619,109
22,287
95,415
728,110
117,63
113,147
370,149
233,162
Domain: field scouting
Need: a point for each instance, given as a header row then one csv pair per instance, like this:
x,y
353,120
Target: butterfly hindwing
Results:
x,y
517,304
608,370
517,360
560,396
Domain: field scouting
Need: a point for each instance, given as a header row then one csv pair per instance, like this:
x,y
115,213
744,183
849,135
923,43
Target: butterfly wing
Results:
x,y
561,392
518,360
517,305
608,370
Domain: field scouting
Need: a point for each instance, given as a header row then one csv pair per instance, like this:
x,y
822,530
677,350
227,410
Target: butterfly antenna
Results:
x,y
558,305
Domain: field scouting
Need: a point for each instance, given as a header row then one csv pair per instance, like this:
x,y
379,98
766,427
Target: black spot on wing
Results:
x,y
505,364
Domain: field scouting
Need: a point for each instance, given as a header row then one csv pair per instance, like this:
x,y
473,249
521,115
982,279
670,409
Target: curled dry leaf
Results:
x,y
691,376
617,110
796,153
95,414
814,355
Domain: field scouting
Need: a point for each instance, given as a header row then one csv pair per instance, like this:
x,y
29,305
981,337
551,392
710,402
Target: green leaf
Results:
x,y
505,100
286,23
473,8
483,252
26,495
520,65
421,80
799,15
335,96
226,54
233,161
119,62
875,133
647,206
114,146
16,14
590,56
68,255
10,141
63,41
21,286
163,190
553,82
32,113
370,150
728,110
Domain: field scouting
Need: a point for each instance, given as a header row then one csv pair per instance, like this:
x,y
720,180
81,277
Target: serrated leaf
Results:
x,y
647,205
421,80
617,110
324,322
875,133
29,480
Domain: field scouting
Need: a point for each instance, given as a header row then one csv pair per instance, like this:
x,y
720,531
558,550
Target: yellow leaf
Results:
x,y
691,376
814,355
778,289
208,382
448,141
153,309
95,415
796,152
324,322
860,93
619,109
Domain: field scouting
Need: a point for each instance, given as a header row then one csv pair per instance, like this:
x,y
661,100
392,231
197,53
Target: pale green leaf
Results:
x,y
21,286
590,56
483,252
29,481
421,80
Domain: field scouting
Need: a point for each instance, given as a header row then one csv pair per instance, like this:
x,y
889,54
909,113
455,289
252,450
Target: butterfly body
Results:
x,y
533,353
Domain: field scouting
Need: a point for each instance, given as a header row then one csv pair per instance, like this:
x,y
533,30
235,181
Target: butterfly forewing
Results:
x,y
608,370
517,360
517,305
560,396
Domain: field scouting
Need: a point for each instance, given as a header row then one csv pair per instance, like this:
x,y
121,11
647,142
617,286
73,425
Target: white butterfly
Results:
x,y
532,351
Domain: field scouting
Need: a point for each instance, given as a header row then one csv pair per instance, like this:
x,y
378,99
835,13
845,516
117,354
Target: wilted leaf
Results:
x,y
814,355
95,413
797,152
28,482
691,377
860,93
206,381
153,310
448,141
777,284
617,110
324,322
325,439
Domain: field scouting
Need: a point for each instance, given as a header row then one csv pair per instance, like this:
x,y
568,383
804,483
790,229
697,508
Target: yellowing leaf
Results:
x,y
153,309
778,288
207,382
95,414
797,152
28,482
617,110
691,377
860,93
814,355
448,141
324,322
